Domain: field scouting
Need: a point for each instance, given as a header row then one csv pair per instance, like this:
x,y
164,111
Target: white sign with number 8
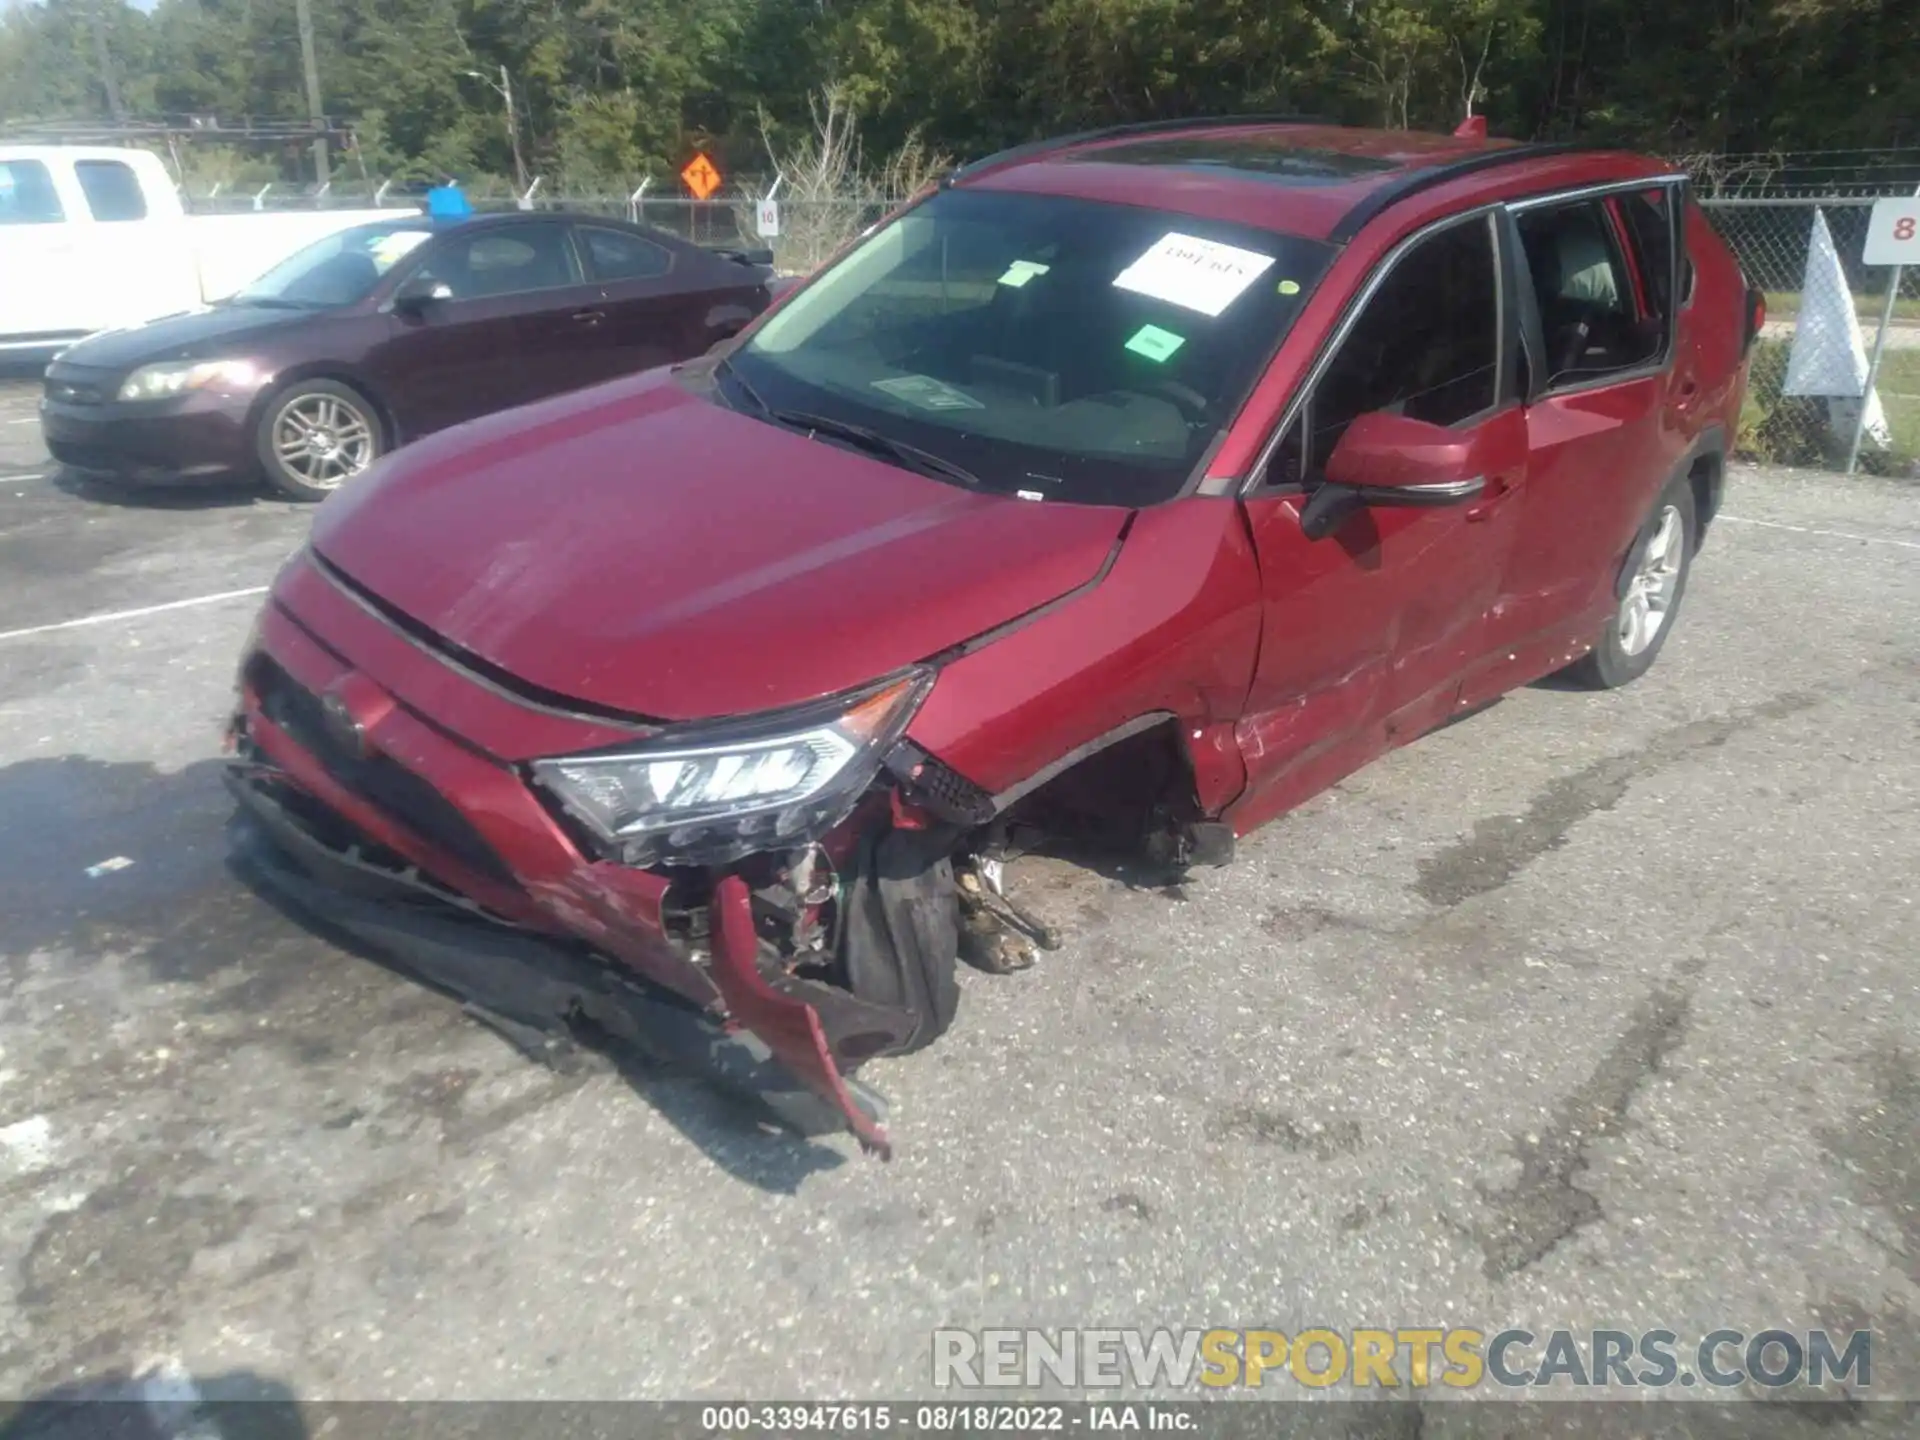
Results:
x,y
1893,234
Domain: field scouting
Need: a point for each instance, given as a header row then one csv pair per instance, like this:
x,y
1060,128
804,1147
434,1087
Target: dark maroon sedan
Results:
x,y
383,333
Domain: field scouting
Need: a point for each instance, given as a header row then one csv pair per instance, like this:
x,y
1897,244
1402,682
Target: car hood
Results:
x,y
641,547
190,335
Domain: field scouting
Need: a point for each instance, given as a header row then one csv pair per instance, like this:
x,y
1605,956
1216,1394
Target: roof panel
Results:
x,y
1297,178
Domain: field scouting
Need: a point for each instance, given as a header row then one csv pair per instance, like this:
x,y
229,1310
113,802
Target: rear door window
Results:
x,y
112,190
27,196
1591,325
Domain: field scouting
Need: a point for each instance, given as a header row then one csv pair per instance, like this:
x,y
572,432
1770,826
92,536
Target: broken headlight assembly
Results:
x,y
710,794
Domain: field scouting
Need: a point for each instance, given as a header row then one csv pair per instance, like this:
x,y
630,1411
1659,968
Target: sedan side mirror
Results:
x,y
1389,459
420,292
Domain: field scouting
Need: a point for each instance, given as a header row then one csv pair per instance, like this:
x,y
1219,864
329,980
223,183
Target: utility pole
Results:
x,y
108,81
304,10
504,89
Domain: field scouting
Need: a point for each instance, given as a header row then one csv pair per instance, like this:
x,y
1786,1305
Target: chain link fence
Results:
x,y
810,230
1824,310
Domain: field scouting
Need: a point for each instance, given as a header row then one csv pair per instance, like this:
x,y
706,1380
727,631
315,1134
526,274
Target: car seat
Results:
x,y
1565,323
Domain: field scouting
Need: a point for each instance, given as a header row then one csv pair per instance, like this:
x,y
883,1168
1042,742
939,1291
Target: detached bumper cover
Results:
x,y
518,977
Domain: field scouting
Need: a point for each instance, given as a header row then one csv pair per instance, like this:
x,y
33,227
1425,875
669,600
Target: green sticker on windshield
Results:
x,y
1156,344
1289,287
1021,271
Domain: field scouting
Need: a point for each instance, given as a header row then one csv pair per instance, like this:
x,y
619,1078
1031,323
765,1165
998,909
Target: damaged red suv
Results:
x,y
1131,487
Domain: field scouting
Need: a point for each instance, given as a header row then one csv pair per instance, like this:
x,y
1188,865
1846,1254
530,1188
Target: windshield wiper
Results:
x,y
910,457
726,368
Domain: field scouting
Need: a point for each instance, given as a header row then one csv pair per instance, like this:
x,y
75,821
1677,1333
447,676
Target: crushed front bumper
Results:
x,y
509,975
378,816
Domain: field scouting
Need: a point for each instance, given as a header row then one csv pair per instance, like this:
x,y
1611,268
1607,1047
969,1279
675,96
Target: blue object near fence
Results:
x,y
448,202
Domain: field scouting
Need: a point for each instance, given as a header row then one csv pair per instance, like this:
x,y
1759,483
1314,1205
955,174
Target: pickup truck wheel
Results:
x,y
316,435
1650,601
902,930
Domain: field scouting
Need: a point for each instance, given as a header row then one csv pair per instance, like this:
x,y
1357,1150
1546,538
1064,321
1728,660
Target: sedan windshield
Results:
x,y
1056,348
342,269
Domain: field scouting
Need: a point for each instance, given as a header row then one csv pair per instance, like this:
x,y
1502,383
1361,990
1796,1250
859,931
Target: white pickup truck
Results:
x,y
93,237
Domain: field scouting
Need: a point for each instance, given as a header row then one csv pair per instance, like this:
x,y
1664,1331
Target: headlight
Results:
x,y
718,793
156,382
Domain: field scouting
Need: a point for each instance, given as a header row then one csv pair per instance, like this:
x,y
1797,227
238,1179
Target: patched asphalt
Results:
x,y
1586,1012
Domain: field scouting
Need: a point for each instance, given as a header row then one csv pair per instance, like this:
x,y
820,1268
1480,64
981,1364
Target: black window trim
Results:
x,y
1676,185
585,253
1253,483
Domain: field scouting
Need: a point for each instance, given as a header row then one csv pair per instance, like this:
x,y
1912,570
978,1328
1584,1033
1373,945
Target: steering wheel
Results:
x,y
1187,400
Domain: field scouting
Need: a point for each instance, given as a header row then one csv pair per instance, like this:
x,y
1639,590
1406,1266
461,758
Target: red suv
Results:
x,y
1128,488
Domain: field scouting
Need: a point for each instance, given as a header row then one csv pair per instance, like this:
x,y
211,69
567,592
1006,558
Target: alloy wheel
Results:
x,y
323,439
1650,593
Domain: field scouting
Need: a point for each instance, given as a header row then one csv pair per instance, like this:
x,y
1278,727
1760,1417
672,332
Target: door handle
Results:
x,y
1496,491
588,317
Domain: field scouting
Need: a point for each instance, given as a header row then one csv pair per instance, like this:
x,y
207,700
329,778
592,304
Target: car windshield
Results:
x,y
342,269
1057,348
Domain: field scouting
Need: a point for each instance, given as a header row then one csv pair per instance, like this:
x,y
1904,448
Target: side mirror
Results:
x,y
419,292
1388,459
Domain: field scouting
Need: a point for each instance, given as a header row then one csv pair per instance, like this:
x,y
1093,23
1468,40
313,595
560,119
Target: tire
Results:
x,y
902,936
321,411
1657,569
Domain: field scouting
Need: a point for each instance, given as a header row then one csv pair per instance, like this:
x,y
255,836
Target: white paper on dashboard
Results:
x,y
1201,275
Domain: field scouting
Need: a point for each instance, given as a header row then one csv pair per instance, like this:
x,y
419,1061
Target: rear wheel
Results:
x,y
1650,601
316,435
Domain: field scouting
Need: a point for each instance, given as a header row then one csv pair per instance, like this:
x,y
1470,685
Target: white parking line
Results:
x,y
30,420
113,615
1816,530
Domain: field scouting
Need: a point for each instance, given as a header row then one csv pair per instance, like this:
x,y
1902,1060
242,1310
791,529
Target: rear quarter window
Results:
x,y
27,196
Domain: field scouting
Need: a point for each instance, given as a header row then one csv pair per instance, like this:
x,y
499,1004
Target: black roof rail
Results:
x,y
1376,202
1115,132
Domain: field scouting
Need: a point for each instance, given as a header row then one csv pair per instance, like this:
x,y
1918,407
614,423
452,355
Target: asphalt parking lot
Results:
x,y
1590,1011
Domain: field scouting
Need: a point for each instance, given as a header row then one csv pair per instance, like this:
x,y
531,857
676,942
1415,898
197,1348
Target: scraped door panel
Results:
x,y
1366,631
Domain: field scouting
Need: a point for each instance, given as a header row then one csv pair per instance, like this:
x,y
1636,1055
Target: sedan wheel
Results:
x,y
317,436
